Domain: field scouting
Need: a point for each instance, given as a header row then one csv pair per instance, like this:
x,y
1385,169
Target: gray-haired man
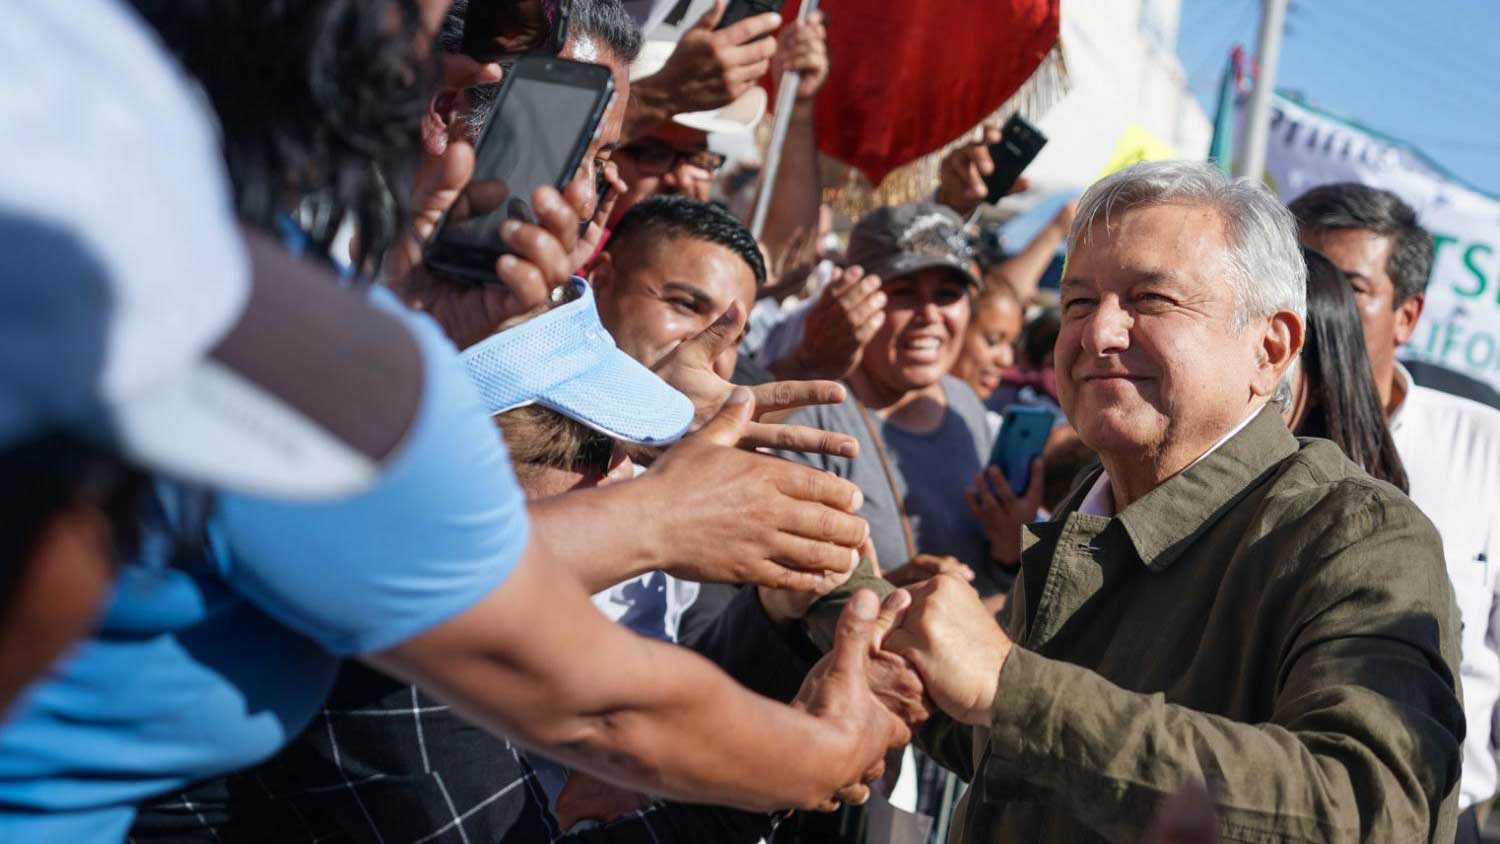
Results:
x,y
1220,601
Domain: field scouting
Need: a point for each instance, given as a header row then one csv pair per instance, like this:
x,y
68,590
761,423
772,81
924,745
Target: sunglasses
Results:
x,y
596,456
660,159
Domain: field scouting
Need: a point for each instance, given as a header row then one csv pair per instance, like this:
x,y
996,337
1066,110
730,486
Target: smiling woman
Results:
x,y
922,432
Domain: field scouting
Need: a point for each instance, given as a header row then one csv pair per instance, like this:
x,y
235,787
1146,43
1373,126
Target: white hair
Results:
x,y
1264,266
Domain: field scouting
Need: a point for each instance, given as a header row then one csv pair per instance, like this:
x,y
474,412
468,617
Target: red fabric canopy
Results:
x,y
909,77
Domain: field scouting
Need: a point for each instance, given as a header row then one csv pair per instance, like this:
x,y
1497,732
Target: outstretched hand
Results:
x,y
690,368
837,692
731,516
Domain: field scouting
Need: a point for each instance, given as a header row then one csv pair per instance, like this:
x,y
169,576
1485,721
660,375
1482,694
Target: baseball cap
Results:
x,y
899,240
265,378
564,359
740,115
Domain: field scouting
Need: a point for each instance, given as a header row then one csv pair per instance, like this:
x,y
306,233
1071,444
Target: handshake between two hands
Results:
x,y
931,644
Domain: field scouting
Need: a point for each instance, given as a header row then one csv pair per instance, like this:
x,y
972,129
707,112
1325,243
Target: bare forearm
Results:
x,y
599,536
536,662
792,222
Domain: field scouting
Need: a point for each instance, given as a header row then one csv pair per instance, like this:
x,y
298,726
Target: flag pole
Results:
x,y
1268,52
786,99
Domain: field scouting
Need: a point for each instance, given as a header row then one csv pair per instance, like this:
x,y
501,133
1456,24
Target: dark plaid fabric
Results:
x,y
384,763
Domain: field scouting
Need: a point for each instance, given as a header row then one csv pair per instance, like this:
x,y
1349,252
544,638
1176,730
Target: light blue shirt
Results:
x,y
210,660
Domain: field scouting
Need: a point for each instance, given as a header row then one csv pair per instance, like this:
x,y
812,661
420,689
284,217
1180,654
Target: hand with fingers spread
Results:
x,y
955,645
708,69
731,516
837,692
839,325
690,368
1001,513
961,175
923,566
802,46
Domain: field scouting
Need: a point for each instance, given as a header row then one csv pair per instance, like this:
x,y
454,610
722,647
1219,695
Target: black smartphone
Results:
x,y
738,10
1023,436
545,116
1018,145
497,29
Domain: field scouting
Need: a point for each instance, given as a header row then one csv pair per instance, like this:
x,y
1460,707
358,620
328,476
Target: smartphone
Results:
x,y
546,114
1023,436
1018,145
496,30
738,10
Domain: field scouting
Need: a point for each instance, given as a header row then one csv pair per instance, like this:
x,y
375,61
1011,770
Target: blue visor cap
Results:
x,y
563,359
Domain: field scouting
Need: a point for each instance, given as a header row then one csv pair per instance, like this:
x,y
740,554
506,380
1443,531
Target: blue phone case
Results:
x,y
1023,435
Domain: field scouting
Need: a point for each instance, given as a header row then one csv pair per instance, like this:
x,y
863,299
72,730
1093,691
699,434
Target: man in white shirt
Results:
x,y
1449,445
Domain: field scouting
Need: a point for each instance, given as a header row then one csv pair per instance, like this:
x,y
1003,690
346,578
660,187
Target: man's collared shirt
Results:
x,y
1450,447
1101,498
1271,621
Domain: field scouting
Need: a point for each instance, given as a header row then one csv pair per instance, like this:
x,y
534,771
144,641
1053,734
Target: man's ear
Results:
x,y
436,120
1280,345
602,274
1407,314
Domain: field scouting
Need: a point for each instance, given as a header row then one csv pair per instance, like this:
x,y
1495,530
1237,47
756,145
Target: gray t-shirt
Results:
x,y
931,472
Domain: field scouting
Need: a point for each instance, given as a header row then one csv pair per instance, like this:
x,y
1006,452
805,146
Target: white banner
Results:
x,y
1460,326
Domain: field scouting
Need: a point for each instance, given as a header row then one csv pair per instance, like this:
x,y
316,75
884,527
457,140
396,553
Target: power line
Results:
x,y
1226,38
1391,55
1358,65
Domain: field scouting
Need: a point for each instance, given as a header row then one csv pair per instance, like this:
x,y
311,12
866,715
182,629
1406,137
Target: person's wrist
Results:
x,y
644,512
1000,557
980,714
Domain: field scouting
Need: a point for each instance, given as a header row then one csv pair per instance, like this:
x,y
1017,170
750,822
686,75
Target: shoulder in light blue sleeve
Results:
x,y
443,528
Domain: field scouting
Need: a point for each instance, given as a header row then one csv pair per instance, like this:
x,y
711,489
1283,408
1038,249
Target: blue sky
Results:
x,y
1423,71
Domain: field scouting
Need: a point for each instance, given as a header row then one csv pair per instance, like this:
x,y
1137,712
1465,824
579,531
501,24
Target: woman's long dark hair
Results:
x,y
1343,404
321,103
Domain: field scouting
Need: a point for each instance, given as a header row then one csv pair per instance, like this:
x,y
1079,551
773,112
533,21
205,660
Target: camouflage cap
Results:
x,y
899,240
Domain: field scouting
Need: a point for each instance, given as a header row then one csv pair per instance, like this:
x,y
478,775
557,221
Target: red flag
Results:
x,y
909,77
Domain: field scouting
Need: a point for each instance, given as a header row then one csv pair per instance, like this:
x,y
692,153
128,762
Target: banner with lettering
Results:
x,y
1460,326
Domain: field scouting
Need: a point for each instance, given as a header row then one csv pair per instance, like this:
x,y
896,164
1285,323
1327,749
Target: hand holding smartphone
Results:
x,y
547,114
738,10
1023,437
1018,145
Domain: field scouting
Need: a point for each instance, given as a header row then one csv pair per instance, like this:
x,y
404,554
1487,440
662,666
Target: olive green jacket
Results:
x,y
1271,621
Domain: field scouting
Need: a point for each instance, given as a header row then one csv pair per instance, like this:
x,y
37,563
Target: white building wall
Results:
x,y
1122,69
